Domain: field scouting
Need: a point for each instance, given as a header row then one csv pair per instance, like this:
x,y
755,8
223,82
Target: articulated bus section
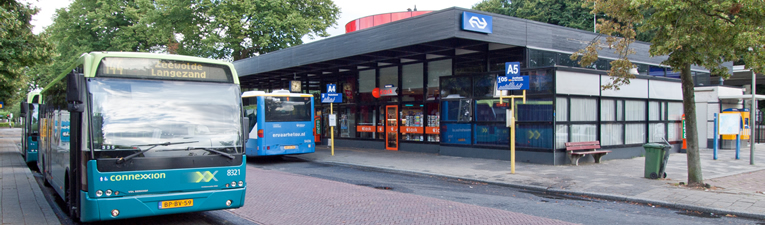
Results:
x,y
30,129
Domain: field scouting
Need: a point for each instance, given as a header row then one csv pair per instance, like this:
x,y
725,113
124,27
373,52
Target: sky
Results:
x,y
349,10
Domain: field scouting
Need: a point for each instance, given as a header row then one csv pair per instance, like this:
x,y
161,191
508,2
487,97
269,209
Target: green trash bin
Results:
x,y
654,160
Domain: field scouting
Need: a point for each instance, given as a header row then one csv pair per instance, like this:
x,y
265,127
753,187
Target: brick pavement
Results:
x,y
21,200
749,182
737,184
275,197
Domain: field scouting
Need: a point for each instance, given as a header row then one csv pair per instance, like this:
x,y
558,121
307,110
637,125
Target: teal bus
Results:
x,y
126,135
29,130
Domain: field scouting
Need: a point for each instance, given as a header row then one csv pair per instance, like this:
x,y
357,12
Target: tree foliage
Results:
x,y
20,49
707,33
220,29
237,29
98,25
567,13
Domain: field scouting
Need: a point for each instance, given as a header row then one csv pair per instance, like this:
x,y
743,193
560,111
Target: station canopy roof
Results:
x,y
429,36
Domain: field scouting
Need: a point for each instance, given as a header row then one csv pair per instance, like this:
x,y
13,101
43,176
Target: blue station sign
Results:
x,y
331,88
512,83
476,22
331,97
512,69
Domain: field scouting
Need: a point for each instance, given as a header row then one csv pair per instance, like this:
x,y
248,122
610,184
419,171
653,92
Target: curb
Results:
x,y
721,212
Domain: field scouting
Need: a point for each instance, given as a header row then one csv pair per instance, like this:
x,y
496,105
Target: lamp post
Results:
x,y
751,119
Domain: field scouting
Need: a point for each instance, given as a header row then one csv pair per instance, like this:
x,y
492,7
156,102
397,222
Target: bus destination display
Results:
x,y
163,69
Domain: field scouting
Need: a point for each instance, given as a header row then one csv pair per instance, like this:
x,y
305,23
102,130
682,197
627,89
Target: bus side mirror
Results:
x,y
246,128
73,96
24,109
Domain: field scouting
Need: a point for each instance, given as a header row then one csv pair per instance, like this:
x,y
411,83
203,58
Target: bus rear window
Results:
x,y
284,109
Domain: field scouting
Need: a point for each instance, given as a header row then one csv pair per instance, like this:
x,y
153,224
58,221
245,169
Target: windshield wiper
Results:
x,y
206,149
216,151
126,158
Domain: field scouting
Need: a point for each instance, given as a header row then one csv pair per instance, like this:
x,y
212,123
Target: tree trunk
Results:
x,y
691,132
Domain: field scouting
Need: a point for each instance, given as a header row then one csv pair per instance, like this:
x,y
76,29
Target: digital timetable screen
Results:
x,y
163,69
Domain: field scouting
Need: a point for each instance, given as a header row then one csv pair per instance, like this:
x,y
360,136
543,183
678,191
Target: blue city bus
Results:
x,y
281,123
29,130
126,135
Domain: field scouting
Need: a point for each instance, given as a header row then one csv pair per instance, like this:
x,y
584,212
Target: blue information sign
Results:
x,y
512,69
65,131
476,22
331,88
331,97
513,83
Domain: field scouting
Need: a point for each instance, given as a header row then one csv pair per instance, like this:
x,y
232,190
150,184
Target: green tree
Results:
x,y
237,29
19,49
707,33
567,13
99,25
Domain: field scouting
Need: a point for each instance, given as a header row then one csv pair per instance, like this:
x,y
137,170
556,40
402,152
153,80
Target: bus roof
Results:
x,y
95,58
277,94
31,96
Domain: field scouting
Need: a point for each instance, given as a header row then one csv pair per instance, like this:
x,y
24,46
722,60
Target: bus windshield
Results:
x,y
287,109
132,115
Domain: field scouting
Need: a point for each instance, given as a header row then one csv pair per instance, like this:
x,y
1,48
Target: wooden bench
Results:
x,y
577,150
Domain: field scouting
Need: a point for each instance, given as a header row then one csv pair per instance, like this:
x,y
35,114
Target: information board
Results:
x,y
730,123
513,83
331,97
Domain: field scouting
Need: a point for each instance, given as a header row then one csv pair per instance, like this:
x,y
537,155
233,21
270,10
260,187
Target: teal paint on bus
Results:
x,y
138,193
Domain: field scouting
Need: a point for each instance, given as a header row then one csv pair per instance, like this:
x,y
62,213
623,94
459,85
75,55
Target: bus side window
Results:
x,y
253,119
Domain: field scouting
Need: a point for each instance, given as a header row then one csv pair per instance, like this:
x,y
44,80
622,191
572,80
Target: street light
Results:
x,y
752,117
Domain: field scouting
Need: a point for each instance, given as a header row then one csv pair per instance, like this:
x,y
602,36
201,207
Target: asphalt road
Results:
x,y
576,209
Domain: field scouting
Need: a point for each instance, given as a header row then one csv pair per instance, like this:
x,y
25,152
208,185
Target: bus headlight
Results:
x,y
99,193
241,184
233,183
115,212
108,192
228,202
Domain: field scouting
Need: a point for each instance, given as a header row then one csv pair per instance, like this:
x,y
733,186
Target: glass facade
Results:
x,y
453,101
412,82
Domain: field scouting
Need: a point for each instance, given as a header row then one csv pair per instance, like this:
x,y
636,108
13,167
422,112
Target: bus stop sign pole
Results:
x,y
512,81
332,97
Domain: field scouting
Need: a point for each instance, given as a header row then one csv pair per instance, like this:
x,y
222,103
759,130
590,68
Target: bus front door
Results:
x,y
391,127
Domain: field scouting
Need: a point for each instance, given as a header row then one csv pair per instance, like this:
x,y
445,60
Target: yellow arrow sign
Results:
x,y
533,134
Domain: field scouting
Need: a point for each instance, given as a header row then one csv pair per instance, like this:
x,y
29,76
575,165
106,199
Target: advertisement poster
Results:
x,y
456,133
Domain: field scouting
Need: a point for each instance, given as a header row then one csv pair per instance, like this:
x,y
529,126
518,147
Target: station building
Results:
x,y
435,75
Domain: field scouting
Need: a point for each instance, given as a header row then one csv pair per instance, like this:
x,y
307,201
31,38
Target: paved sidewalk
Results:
x,y
22,200
737,186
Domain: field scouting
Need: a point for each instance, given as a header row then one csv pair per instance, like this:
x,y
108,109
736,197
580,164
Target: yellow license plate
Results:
x,y
176,204
290,147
